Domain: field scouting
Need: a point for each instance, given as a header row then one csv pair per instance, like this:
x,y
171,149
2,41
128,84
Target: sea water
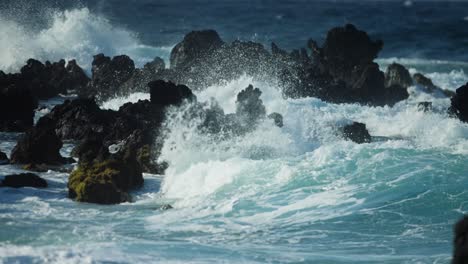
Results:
x,y
296,194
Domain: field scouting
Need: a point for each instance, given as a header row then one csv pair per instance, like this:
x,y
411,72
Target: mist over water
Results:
x,y
296,194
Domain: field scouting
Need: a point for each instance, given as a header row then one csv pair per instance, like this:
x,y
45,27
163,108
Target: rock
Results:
x,y
167,93
166,207
17,106
40,145
4,159
460,241
342,71
105,178
277,119
79,118
195,45
357,132
153,70
107,75
425,106
397,74
424,82
459,103
23,180
249,107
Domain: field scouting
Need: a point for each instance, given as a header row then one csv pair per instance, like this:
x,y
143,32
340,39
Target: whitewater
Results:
x,y
296,194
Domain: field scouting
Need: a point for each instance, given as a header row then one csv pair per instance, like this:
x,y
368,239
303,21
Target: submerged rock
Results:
x,y
105,178
23,180
277,118
40,145
397,74
425,106
249,107
459,103
460,241
357,132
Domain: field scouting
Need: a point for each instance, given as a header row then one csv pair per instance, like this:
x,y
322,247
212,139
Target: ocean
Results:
x,y
296,194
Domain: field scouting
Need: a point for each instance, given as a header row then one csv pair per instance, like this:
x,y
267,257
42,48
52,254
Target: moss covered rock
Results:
x,y
105,178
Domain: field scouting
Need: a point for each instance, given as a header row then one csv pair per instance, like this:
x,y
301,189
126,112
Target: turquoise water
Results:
x,y
297,194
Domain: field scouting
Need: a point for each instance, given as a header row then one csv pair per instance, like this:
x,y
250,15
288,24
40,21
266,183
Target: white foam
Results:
x,y
73,34
116,103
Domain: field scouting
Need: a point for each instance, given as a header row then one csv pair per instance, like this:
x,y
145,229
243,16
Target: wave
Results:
x,y
72,34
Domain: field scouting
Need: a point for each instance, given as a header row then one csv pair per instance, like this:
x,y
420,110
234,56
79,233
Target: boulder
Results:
x,y
3,158
40,145
459,103
153,70
17,106
424,82
357,132
167,93
460,241
195,45
397,74
103,177
23,180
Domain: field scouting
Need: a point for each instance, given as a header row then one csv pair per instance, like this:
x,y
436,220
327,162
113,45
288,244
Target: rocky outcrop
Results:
x,y
194,46
103,177
343,71
107,75
397,74
356,132
460,241
151,71
40,145
459,103
23,180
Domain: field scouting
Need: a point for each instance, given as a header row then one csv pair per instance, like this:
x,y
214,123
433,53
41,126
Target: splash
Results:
x,y
72,34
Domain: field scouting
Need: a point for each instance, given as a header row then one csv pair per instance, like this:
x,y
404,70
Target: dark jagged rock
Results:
x,y
343,71
194,46
153,70
17,106
249,107
429,86
79,118
459,103
277,118
357,132
23,180
424,82
103,177
3,158
107,75
397,74
425,106
167,93
40,145
460,242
